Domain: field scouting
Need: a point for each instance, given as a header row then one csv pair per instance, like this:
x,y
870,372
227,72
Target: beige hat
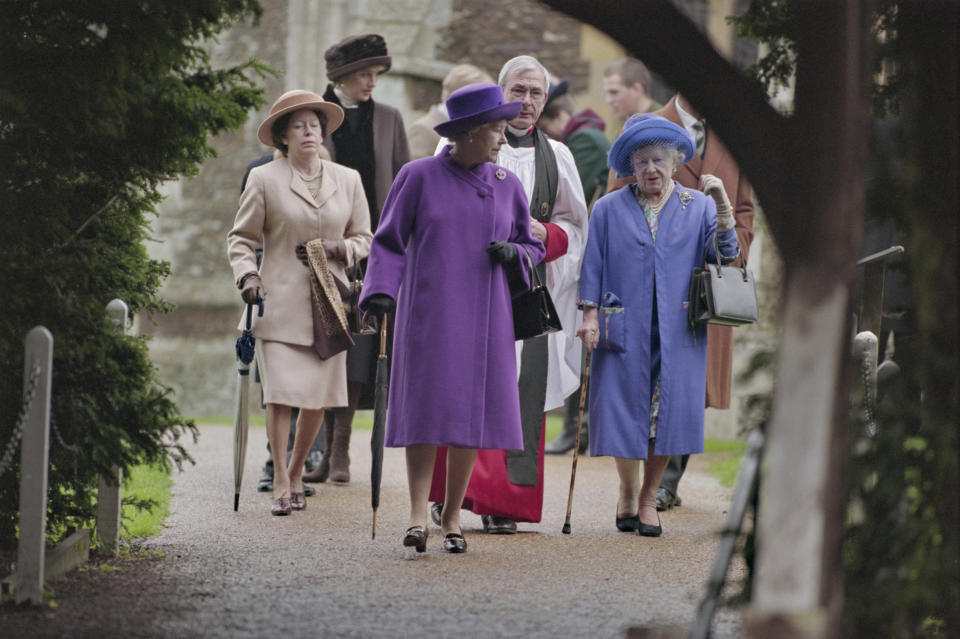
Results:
x,y
294,101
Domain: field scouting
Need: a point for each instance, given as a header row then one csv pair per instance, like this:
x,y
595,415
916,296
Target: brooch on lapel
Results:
x,y
686,197
501,174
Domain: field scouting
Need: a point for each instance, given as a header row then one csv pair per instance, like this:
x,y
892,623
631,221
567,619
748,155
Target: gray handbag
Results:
x,y
724,295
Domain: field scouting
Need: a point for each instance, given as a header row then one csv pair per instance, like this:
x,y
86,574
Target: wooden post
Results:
x,y
34,456
109,494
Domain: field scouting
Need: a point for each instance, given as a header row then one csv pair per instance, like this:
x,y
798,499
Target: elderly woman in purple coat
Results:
x,y
649,369
447,255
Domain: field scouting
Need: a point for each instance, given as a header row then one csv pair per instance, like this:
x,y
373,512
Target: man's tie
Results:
x,y
699,135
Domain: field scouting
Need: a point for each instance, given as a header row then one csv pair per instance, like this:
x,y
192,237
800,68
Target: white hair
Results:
x,y
522,63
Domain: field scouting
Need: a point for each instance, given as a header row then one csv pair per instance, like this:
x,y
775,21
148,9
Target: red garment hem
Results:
x,y
490,491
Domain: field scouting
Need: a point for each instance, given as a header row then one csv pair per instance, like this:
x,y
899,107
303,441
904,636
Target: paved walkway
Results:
x,y
317,573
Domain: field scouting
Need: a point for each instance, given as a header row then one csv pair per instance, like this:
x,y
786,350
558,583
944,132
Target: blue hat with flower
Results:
x,y
476,104
646,129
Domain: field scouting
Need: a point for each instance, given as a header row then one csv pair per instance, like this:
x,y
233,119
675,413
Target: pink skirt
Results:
x,y
294,375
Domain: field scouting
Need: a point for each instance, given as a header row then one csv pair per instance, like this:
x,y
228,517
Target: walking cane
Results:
x,y
584,386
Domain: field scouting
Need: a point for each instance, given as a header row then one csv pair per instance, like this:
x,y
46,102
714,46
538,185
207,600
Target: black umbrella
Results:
x,y
245,347
379,424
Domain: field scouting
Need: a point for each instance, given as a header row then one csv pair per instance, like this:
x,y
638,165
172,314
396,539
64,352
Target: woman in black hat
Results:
x,y
373,141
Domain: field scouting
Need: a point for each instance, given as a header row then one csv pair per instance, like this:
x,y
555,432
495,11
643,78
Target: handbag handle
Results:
x,y
720,258
535,281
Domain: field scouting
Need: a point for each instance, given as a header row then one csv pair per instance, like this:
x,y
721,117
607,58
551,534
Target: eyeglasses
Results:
x,y
518,92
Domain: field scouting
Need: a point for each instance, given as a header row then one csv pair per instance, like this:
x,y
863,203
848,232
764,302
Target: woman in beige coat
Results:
x,y
286,203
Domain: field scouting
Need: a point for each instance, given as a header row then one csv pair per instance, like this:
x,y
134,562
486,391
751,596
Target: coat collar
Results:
x,y
327,185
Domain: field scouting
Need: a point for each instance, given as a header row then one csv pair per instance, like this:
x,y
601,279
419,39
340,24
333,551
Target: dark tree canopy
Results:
x,y
100,103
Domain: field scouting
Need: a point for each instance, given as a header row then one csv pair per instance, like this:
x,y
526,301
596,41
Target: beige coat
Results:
x,y
277,209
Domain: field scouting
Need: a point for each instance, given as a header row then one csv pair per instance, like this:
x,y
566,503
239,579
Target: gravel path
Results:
x,y
317,573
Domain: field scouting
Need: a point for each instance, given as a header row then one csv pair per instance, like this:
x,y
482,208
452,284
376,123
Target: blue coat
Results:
x,y
623,265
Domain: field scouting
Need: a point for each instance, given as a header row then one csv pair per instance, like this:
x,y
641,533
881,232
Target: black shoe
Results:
x,y
666,500
498,525
416,537
265,484
436,509
628,524
309,491
455,543
646,530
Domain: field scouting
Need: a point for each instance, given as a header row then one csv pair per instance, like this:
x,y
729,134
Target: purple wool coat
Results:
x,y
453,371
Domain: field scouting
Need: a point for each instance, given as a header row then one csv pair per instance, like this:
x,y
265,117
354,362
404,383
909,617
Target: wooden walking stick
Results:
x,y
584,387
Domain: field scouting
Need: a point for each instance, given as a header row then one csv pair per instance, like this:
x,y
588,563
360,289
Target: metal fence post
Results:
x,y
34,459
110,495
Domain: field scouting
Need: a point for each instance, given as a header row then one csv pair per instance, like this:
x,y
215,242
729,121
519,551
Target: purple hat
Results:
x,y
476,104
645,129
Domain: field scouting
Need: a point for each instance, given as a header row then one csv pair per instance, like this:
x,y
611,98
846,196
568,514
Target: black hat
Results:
x,y
557,88
354,53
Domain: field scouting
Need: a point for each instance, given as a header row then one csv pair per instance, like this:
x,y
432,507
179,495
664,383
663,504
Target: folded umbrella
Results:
x,y
241,423
379,424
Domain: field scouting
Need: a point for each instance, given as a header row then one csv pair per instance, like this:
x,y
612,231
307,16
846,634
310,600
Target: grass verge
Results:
x,y
146,482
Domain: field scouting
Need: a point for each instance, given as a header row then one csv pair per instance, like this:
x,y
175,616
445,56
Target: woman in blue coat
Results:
x,y
647,389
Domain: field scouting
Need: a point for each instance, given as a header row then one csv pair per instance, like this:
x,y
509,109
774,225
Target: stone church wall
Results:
x,y
193,346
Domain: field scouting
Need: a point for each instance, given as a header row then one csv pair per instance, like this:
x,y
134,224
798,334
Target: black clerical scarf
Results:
x,y
522,465
546,176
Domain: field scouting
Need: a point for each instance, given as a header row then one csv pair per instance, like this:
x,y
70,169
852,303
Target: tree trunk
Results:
x,y
807,171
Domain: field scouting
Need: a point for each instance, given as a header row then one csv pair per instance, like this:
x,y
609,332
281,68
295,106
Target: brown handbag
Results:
x,y
331,331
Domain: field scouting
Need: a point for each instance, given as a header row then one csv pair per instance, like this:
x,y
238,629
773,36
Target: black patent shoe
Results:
x,y
498,525
666,500
436,509
646,530
455,543
416,537
628,524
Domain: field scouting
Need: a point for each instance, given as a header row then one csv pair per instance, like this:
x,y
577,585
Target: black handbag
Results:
x,y
724,295
533,311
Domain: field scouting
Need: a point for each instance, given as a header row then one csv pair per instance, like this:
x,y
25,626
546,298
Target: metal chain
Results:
x,y
56,431
865,367
14,442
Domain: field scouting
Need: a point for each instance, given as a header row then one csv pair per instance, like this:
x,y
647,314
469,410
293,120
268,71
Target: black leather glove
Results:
x,y
502,252
379,304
